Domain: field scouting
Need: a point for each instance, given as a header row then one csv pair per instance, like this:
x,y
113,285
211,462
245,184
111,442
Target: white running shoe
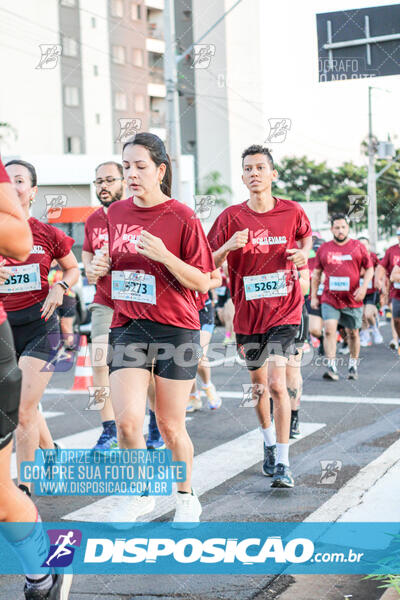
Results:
x,y
376,336
365,338
195,402
188,511
214,400
128,509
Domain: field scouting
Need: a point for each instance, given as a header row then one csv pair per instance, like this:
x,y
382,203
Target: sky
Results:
x,y
328,120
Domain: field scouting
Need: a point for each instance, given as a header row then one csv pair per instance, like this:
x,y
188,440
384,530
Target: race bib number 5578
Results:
x,y
22,279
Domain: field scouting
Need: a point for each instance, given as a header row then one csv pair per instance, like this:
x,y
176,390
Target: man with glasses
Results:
x,y
109,188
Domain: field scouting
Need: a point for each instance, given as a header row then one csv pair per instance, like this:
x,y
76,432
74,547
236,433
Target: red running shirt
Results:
x,y
182,235
392,258
342,264
4,178
96,236
48,243
270,235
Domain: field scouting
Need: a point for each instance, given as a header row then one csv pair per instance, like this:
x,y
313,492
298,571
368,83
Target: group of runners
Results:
x,y
156,272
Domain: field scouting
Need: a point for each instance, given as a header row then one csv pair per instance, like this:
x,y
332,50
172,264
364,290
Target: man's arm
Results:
x,y
238,240
395,274
87,258
361,292
215,279
299,255
380,275
315,281
304,279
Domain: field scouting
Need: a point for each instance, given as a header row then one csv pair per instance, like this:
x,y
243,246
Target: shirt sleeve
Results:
x,y
4,178
87,241
219,232
195,249
318,263
366,260
385,262
303,225
61,243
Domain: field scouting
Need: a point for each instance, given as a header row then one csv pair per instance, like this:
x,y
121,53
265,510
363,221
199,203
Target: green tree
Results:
x,y
213,186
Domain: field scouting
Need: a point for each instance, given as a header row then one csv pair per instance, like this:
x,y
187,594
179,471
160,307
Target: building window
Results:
x,y
118,55
97,119
95,70
135,11
68,2
190,100
187,15
138,57
120,101
140,104
71,95
69,46
117,8
93,20
74,145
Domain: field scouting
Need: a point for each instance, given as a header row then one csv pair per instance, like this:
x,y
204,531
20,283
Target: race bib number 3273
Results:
x,y
133,287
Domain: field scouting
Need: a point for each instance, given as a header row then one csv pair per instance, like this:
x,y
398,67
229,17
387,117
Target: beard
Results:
x,y
113,198
338,239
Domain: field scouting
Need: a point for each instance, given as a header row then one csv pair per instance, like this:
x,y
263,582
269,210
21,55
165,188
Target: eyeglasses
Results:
x,y
106,181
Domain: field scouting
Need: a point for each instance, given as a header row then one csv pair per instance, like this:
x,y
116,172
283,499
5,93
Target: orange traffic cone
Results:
x,y
83,368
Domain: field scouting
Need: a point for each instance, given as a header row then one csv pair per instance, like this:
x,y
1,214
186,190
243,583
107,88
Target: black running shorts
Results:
x,y
173,352
33,336
255,348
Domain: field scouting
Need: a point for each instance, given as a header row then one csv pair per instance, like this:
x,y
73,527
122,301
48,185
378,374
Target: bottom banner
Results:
x,y
223,548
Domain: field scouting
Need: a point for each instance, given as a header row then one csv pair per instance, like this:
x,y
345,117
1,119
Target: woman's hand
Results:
x,y
151,246
4,272
54,300
100,265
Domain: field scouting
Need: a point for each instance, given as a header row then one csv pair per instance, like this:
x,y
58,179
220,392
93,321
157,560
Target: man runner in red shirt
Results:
x,y
342,260
264,239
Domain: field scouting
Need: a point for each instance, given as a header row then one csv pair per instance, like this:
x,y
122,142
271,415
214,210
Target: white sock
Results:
x,y
269,435
282,453
332,363
207,385
352,363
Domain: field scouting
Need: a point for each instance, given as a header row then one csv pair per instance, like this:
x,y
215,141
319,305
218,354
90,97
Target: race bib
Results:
x,y
221,290
22,279
133,287
270,285
320,289
369,285
396,285
339,284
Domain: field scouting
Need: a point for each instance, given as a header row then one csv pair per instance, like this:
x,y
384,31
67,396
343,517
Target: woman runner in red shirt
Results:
x,y
15,507
159,257
30,306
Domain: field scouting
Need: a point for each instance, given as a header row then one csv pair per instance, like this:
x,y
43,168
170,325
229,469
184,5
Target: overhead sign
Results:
x,y
359,43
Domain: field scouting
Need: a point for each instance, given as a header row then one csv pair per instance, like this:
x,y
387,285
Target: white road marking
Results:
x,y
227,460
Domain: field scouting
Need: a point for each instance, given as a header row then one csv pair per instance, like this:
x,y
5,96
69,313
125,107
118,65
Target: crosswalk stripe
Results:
x,y
227,460
366,492
304,398
83,439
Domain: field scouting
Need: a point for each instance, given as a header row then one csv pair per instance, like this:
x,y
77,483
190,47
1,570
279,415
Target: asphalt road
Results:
x,y
353,421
